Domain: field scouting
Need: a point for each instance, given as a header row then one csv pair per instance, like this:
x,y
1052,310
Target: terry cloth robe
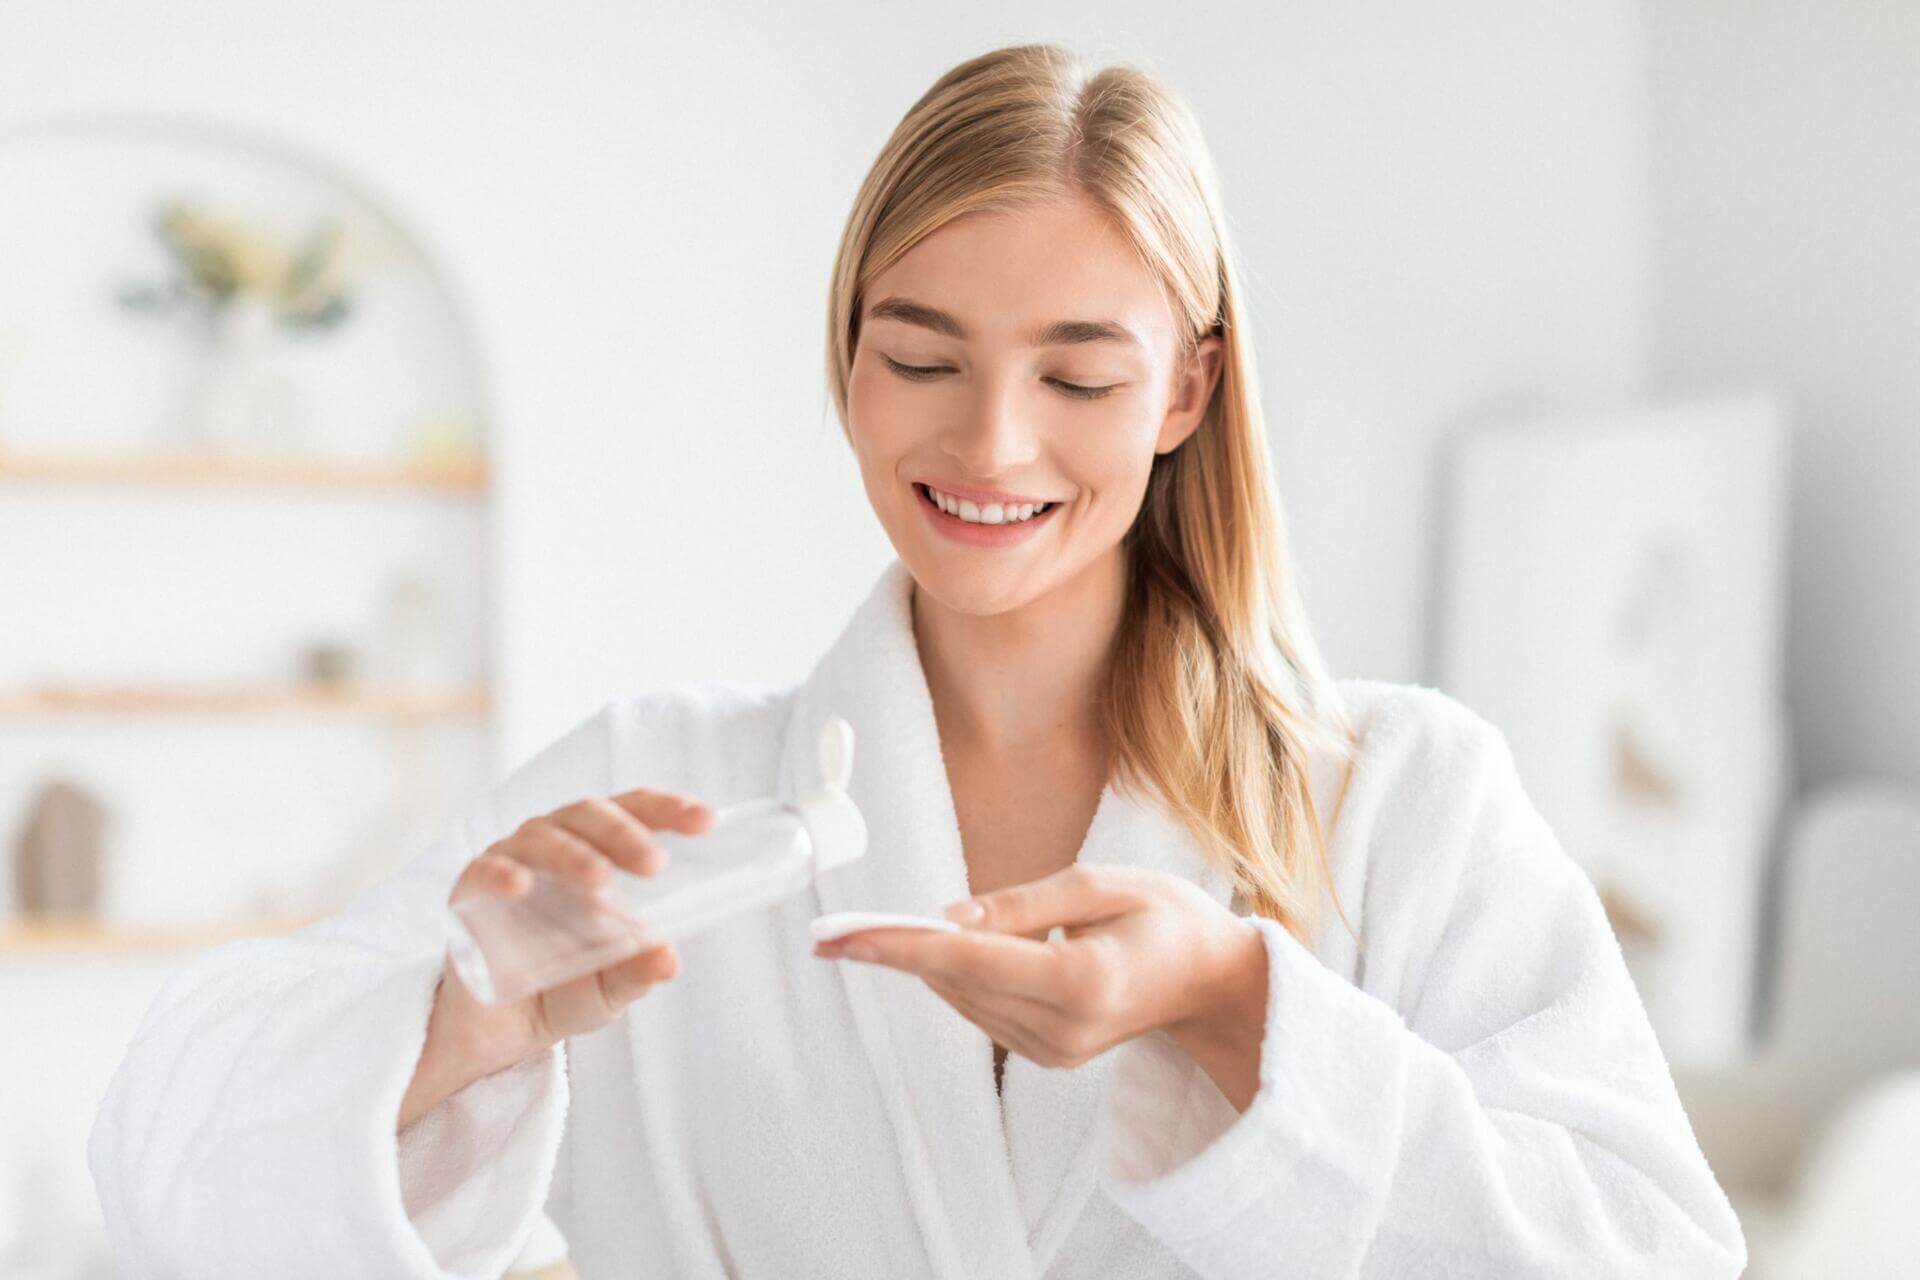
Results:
x,y
1472,1090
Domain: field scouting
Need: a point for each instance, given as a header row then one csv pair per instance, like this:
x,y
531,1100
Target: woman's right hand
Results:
x,y
582,843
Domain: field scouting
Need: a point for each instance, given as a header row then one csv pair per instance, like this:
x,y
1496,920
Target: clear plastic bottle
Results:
x,y
756,853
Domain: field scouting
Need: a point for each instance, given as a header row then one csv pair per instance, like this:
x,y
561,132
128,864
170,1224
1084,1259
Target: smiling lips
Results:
x,y
990,524
978,508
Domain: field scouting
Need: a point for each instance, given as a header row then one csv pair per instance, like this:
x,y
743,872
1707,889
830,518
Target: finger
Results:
x,y
572,1007
614,832
493,873
588,1002
623,983
1079,894
1009,1006
666,810
1046,971
1001,1029
545,847
985,1016
1036,1031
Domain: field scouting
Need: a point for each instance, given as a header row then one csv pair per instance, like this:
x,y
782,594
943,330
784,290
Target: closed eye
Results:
x,y
926,372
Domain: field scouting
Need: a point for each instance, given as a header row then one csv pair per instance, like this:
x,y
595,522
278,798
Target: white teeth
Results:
x,y
990,513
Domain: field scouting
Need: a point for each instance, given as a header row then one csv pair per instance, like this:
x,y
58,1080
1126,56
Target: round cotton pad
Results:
x,y
837,924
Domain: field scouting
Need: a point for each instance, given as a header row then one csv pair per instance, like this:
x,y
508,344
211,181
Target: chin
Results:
x,y
981,589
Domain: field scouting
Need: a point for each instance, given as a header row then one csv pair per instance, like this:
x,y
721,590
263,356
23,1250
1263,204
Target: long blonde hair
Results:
x,y
1216,689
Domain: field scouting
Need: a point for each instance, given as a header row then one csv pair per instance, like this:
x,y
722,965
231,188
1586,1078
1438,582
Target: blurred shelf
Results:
x,y
192,469
92,937
464,703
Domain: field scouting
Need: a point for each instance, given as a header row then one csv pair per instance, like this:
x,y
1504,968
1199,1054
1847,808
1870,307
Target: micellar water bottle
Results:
x,y
755,853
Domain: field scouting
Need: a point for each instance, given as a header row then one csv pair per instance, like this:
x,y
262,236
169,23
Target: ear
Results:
x,y
1192,392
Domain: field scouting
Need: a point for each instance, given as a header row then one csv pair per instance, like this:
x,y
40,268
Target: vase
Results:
x,y
247,403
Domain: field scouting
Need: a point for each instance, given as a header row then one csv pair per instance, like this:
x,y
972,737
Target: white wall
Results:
x,y
1437,209
1784,180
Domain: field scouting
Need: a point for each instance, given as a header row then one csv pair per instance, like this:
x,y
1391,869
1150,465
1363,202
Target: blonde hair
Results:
x,y
1216,688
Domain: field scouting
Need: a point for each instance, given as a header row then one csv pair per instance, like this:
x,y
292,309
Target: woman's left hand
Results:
x,y
1139,951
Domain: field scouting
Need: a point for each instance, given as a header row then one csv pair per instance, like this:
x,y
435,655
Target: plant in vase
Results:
x,y
247,288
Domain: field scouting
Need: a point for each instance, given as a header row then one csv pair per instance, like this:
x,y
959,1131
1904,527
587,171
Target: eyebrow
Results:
x,y
1058,334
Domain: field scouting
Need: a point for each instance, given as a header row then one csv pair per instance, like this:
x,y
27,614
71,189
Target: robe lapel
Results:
x,y
934,1068
985,1207
1056,1116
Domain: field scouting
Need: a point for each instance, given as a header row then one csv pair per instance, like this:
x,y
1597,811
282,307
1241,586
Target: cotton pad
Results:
x,y
838,924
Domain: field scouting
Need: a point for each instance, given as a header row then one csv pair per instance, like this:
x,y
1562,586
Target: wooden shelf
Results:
x,y
185,469
93,937
466,703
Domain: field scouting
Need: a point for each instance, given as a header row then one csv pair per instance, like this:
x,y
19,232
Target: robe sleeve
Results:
x,y
250,1128
1515,1117
469,1166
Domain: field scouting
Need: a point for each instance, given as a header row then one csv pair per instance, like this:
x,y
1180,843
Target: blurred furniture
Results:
x,y
1851,1211
1817,1140
402,709
249,554
277,744
1612,600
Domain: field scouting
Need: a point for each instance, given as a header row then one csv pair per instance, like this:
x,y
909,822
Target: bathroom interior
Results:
x,y
383,389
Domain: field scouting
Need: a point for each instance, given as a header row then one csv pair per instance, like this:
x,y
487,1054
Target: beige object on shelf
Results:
x,y
57,859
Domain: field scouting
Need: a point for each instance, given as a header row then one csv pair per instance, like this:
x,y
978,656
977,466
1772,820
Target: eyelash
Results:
x,y
921,373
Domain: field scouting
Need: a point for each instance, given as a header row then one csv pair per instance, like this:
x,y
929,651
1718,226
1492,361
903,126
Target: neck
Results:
x,y
1029,679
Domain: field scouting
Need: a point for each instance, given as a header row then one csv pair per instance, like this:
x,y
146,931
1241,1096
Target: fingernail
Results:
x,y
966,912
860,951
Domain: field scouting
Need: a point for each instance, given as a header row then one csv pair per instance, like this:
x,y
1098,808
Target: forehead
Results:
x,y
1002,272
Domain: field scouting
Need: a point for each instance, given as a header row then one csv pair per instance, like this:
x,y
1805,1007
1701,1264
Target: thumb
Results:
x,y
1077,894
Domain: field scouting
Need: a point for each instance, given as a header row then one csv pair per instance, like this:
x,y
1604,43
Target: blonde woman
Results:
x,y
1263,974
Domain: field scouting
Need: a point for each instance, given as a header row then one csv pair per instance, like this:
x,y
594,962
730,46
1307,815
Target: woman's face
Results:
x,y
1012,359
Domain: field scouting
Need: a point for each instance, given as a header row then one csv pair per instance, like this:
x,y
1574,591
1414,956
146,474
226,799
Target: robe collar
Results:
x,y
987,1206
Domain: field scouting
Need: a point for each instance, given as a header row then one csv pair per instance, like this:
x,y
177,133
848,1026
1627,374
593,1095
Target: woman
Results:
x,y
1265,974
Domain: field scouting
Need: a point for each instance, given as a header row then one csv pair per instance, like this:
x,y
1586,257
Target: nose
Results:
x,y
994,435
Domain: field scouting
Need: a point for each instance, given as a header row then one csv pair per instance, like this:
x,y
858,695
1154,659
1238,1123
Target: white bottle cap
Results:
x,y
833,821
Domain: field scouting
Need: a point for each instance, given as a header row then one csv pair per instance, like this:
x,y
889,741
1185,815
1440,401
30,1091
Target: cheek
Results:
x,y
1109,456
878,416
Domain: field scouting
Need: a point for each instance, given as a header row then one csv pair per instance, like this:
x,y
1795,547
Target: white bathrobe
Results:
x,y
1473,1090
